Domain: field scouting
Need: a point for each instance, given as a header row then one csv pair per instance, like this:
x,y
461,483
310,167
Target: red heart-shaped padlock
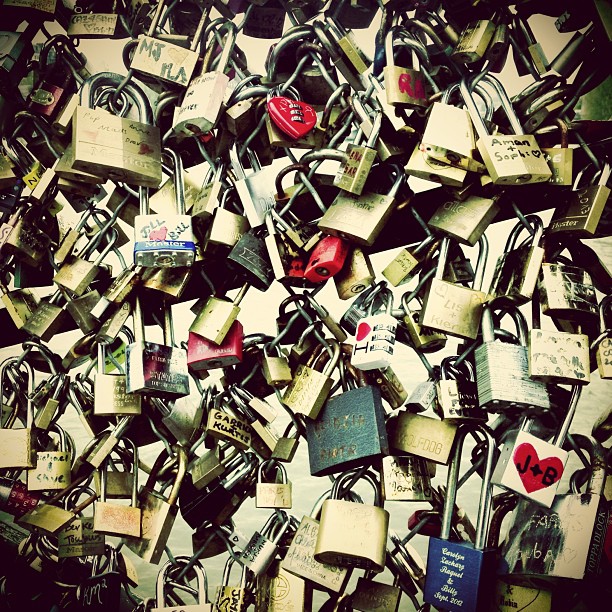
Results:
x,y
294,117
536,473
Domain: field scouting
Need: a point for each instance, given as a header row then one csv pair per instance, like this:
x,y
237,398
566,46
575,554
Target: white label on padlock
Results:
x,y
374,342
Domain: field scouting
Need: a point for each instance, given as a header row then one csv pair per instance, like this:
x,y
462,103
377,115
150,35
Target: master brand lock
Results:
x,y
158,514
461,575
502,370
556,542
163,241
203,604
514,159
450,308
118,519
349,431
52,470
375,337
17,444
532,467
353,534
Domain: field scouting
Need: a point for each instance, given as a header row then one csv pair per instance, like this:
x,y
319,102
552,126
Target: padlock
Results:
x,y
468,583
165,241
232,598
18,444
466,220
309,389
159,369
449,308
263,546
215,319
603,342
362,437
164,575
560,159
375,337
405,87
353,173
291,115
326,259
52,468
554,543
422,436
110,391
424,397
272,494
118,519
225,425
353,534
19,303
502,371
226,227
208,196
164,60
557,357
518,267
276,368
205,355
532,467
118,482
408,261
406,478
513,159
360,219
101,590
277,589
356,275
457,393
300,560
473,41
249,259
580,215
201,107
370,595
528,44
136,159
158,513
422,339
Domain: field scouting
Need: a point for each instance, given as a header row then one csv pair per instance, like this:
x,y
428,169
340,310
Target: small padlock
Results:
x,y
457,393
406,478
232,598
276,368
205,355
326,259
52,470
560,159
375,337
263,545
422,339
272,494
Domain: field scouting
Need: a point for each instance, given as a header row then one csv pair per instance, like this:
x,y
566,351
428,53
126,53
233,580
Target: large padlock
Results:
x,y
375,337
162,241
502,369
552,543
52,470
514,159
518,267
18,449
348,431
532,467
450,308
158,513
112,518
134,157
461,575
164,575
155,368
353,534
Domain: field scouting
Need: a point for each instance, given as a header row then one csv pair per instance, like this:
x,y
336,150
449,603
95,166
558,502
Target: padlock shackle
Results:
x,y
198,568
598,467
31,387
569,416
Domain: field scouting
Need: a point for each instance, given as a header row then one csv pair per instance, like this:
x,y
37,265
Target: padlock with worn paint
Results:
x,y
205,355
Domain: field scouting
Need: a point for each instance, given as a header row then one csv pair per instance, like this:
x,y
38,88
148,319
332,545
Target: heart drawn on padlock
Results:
x,y
536,473
294,117
363,329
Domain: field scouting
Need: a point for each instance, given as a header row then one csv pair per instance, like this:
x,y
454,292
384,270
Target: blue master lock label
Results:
x,y
163,241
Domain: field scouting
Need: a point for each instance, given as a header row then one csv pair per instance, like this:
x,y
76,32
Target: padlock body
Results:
x,y
374,342
273,495
353,173
558,357
502,378
214,321
117,519
326,259
205,355
405,86
458,576
111,397
560,161
308,391
163,241
580,215
458,401
405,478
258,554
516,274
604,358
164,60
531,467
52,471
17,448
352,535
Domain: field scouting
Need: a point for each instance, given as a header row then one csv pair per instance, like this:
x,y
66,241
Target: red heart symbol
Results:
x,y
363,329
159,234
293,117
536,473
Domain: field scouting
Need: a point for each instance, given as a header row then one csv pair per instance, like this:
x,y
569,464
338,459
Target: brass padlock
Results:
x,y
52,469
560,159
272,494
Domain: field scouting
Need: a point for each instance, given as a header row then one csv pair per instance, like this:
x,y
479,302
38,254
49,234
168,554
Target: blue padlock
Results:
x,y
461,575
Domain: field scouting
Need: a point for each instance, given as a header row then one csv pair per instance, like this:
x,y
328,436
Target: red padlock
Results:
x,y
431,527
326,259
204,355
